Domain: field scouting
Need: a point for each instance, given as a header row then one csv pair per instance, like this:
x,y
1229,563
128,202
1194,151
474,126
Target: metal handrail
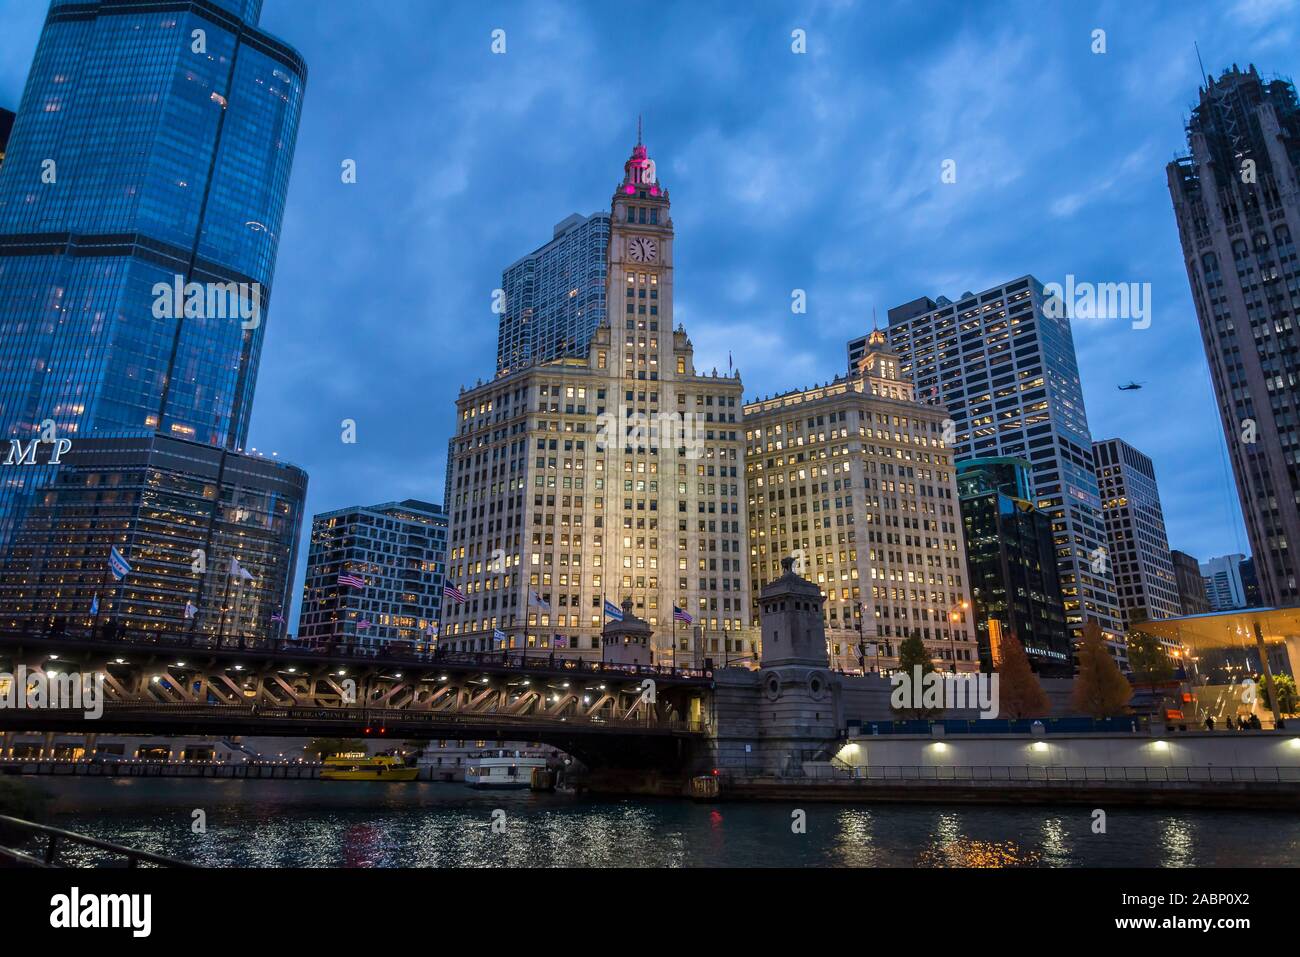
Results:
x,y
1054,774
56,834
396,716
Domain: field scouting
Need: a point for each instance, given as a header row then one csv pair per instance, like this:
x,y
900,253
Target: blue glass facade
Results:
x,y
154,140
555,296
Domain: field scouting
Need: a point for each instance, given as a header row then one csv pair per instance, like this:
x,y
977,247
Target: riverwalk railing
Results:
x,y
15,831
1036,774
517,659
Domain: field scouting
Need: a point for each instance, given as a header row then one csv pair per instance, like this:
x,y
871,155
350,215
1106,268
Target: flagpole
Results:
x,y
225,603
94,625
239,604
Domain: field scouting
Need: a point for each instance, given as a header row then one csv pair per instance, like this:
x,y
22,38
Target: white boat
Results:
x,y
502,769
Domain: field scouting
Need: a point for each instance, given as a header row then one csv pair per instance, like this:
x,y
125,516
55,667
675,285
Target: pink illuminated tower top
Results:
x,y
639,171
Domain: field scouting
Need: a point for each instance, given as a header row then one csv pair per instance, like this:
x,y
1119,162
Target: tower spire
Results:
x,y
638,130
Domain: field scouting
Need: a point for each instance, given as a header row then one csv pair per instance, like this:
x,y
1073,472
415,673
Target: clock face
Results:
x,y
642,250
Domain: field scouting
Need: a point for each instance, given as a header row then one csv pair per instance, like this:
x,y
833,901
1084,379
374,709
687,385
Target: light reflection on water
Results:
x,y
361,824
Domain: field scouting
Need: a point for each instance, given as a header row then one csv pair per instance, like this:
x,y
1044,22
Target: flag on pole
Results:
x,y
191,609
680,614
352,581
560,641
117,564
94,605
363,624
499,635
239,571
535,599
455,594
613,611
278,617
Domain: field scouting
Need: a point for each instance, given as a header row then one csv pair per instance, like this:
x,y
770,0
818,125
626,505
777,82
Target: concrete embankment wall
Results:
x,y
1222,749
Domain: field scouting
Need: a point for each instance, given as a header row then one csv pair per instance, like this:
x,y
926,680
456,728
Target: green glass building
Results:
x,y
1011,558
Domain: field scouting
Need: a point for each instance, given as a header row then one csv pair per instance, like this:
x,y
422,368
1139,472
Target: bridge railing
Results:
x,y
16,832
382,717
514,659
1036,774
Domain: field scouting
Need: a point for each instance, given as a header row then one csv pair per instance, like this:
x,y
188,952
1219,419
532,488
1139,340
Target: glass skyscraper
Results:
x,y
392,558
555,296
1011,561
151,150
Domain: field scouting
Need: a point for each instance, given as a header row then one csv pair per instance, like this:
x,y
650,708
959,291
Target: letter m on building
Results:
x,y
18,456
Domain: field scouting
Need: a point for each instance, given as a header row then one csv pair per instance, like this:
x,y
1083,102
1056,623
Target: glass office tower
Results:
x,y
1011,560
555,296
397,555
152,148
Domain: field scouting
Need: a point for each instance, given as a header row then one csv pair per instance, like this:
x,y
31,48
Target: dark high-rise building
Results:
x,y
210,537
554,298
6,126
1236,197
1250,583
375,574
141,198
1135,527
1191,586
1011,558
1004,365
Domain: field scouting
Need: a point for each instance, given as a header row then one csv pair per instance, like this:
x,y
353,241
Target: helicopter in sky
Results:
x,y
1131,387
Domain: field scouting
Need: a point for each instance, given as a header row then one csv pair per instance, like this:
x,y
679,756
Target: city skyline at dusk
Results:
x,y
790,172
592,445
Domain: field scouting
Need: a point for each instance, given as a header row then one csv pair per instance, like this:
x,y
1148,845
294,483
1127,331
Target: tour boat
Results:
x,y
502,769
361,767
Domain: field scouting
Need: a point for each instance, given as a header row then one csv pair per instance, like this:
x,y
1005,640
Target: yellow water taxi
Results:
x,y
359,766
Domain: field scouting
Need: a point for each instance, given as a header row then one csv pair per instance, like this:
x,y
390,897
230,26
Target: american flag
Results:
x,y
362,625
680,614
455,594
278,617
352,581
560,641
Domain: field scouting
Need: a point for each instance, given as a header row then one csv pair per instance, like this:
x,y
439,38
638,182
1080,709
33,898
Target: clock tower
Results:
x,y
639,289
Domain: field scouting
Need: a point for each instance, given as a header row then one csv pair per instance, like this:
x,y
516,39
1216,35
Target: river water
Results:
x,y
361,824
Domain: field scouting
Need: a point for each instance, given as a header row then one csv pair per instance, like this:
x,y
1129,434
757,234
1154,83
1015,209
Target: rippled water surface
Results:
x,y
361,824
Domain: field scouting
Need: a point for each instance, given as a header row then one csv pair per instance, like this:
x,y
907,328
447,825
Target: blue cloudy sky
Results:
x,y
816,171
